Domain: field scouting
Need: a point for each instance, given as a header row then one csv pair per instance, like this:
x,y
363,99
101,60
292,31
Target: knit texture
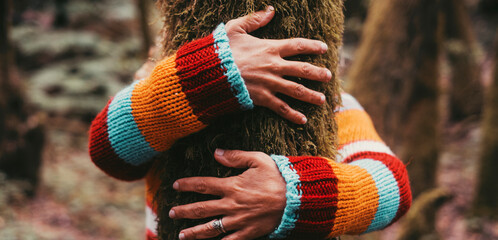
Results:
x,y
184,93
366,190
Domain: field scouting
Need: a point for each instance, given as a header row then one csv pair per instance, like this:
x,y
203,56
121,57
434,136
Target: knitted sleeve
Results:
x,y
365,190
183,94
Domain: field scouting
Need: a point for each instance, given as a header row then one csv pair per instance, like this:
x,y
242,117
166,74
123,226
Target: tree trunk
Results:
x,y
486,202
259,129
395,77
466,94
21,135
143,9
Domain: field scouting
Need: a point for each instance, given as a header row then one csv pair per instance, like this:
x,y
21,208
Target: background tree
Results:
x,y
486,202
465,92
395,77
21,135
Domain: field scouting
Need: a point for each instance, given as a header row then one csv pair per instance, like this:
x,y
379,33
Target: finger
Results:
x,y
199,210
299,92
238,159
207,230
298,46
306,70
251,22
204,185
281,108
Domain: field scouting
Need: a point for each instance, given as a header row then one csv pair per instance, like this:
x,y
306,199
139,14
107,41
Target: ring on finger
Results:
x,y
218,225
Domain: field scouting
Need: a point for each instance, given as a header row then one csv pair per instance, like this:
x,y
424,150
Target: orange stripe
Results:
x,y
160,108
355,125
357,200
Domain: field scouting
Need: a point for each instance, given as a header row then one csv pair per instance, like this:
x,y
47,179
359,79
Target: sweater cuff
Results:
x,y
311,198
230,69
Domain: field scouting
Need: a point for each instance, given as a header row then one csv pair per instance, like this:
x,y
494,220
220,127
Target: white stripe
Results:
x,y
150,220
348,103
362,146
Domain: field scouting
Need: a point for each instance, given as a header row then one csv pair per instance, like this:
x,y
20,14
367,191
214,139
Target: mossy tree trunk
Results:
x,y
465,93
486,202
259,129
21,135
395,77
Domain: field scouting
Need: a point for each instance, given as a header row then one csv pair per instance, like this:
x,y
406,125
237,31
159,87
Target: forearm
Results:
x,y
183,94
365,191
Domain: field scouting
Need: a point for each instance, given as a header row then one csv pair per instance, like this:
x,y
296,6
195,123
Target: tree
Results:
x,y
260,129
395,77
486,202
465,93
21,134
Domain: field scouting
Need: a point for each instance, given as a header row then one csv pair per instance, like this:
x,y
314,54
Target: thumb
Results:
x,y
251,22
236,158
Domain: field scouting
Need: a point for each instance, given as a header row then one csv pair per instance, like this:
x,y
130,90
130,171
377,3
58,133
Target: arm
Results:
x,y
197,84
366,190
183,94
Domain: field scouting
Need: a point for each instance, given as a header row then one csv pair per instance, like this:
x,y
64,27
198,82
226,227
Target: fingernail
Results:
x,y
181,236
324,47
219,152
172,213
176,185
329,74
304,120
270,9
322,100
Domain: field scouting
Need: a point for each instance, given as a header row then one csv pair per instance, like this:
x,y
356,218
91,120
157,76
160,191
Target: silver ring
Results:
x,y
218,225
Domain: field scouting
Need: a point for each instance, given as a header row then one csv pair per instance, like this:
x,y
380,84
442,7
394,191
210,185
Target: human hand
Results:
x,y
262,66
252,203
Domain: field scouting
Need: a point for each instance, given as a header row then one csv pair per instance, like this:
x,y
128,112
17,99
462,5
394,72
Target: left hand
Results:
x,y
252,203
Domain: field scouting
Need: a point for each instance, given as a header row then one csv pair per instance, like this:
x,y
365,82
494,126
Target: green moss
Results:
x,y
260,129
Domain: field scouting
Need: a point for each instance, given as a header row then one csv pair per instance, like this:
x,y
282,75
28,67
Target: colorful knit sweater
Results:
x,y
366,190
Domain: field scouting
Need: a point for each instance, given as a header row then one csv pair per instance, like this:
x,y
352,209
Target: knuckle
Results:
x,y
199,210
275,66
256,18
208,227
283,108
299,45
299,90
271,50
306,69
201,186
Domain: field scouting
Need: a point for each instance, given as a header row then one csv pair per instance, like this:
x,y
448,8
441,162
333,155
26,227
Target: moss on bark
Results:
x,y
259,129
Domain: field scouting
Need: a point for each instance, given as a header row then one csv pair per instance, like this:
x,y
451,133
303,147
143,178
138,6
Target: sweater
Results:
x,y
365,190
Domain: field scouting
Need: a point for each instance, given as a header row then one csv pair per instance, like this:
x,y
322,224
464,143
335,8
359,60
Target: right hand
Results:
x,y
262,66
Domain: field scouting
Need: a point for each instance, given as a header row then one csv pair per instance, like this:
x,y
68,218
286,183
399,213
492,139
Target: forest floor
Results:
x,y
64,71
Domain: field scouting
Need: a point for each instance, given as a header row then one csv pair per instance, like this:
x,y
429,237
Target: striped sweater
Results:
x,y
366,190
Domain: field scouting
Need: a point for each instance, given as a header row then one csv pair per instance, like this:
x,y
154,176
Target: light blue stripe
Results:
x,y
124,135
388,191
349,103
293,196
232,72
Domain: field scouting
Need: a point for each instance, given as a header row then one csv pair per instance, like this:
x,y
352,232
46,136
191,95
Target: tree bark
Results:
x,y
486,202
143,9
395,77
466,93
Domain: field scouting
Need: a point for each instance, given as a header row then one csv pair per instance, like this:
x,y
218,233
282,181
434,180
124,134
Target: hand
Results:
x,y
262,66
252,203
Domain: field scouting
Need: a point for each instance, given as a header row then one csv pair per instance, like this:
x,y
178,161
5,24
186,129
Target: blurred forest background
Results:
x,y
426,71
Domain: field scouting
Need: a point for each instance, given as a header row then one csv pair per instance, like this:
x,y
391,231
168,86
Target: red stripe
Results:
x,y
150,235
203,81
318,184
399,172
103,155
